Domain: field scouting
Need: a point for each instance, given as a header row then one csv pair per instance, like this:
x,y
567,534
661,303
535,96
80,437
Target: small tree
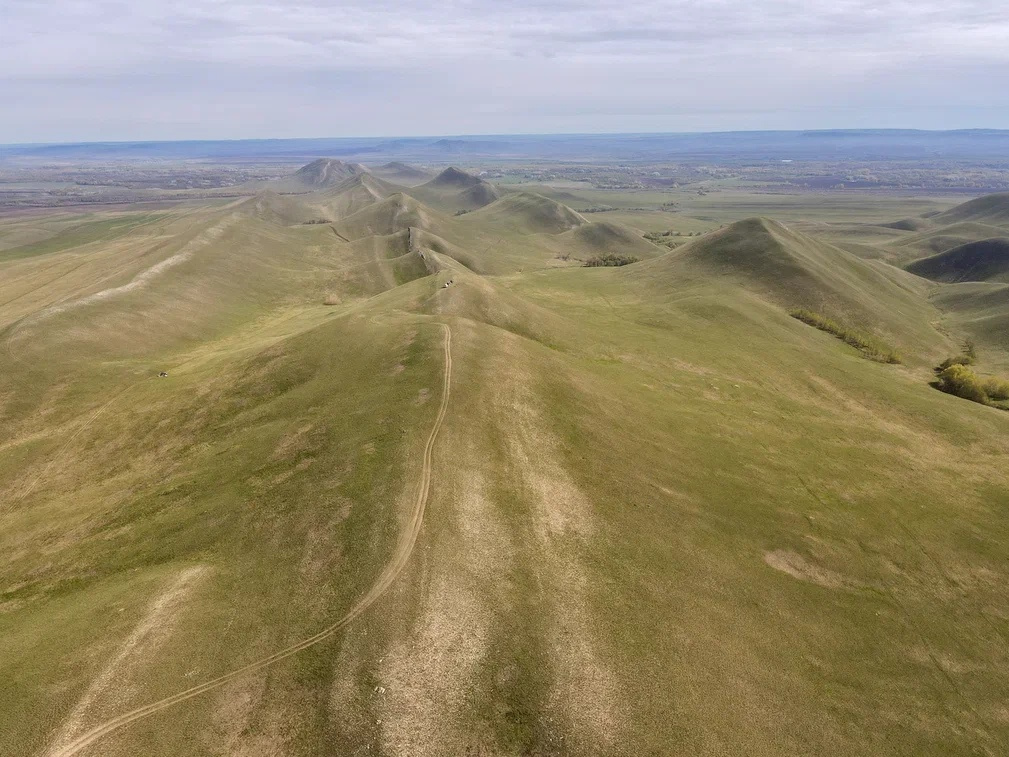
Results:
x,y
955,360
970,350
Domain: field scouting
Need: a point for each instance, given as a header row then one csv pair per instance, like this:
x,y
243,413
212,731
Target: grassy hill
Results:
x,y
401,173
607,238
454,190
793,270
285,210
987,260
990,209
326,172
454,179
354,194
528,213
395,213
939,239
415,485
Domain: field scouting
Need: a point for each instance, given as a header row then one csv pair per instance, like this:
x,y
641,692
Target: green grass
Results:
x,y
78,235
665,518
867,345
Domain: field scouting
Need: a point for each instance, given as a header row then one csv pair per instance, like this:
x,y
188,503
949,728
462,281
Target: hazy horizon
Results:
x,y
486,135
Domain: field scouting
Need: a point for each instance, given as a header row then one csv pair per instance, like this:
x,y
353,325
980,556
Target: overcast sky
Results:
x,y
188,69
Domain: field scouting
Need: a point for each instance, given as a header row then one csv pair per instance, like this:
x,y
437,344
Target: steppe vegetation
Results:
x,y
417,482
871,348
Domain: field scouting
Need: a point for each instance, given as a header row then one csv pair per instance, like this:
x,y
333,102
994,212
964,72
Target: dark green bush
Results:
x,y
610,260
970,350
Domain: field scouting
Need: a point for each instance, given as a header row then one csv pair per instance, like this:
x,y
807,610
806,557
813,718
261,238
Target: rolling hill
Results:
x,y
527,213
454,190
990,209
326,172
406,483
267,205
607,238
354,194
401,173
395,213
987,260
793,270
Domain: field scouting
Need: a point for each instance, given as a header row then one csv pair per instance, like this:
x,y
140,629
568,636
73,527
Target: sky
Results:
x,y
103,70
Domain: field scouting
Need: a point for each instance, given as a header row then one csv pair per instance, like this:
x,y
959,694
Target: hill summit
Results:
x,y
454,178
455,190
530,213
401,173
327,172
792,270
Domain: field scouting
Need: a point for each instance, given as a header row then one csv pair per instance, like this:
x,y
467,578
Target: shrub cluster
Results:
x,y
610,260
956,377
960,380
665,238
870,347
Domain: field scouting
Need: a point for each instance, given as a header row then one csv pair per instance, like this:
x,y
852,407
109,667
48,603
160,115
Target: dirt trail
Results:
x,y
108,686
404,548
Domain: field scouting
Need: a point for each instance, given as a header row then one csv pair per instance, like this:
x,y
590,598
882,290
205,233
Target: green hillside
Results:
x,y
454,190
419,483
987,260
327,172
401,173
790,269
528,213
990,209
354,194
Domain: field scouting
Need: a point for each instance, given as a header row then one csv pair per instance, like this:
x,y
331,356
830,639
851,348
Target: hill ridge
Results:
x,y
991,209
529,212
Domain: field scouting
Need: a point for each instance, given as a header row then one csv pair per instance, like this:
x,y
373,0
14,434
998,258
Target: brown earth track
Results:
x,y
389,574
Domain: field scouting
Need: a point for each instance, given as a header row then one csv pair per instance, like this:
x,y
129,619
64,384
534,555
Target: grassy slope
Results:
x,y
834,469
401,173
992,209
794,270
244,463
454,190
666,518
987,260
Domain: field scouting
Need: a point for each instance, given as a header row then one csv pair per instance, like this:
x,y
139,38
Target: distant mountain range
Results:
x,y
858,144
